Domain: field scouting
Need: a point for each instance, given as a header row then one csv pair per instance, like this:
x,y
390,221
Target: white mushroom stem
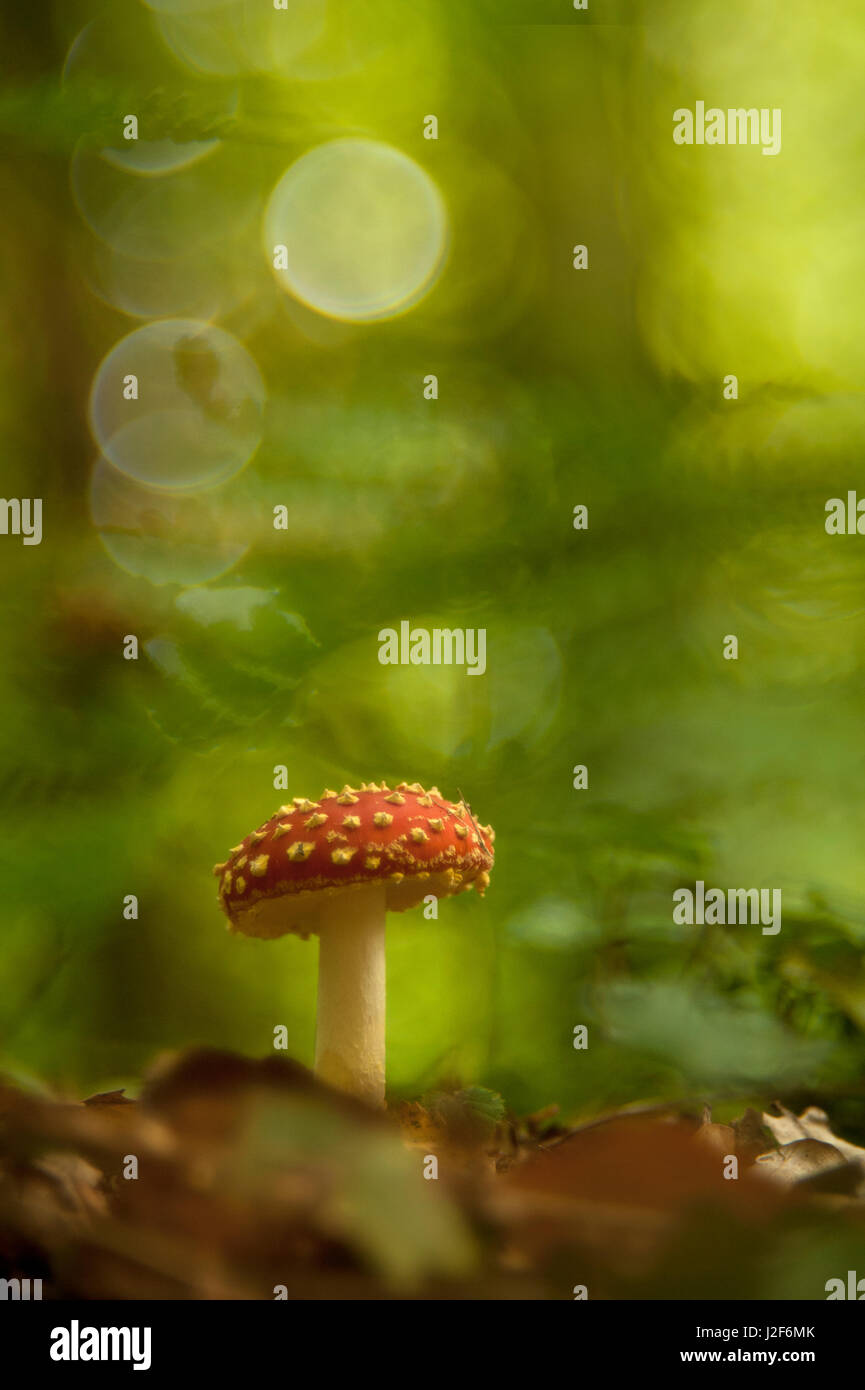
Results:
x,y
350,1028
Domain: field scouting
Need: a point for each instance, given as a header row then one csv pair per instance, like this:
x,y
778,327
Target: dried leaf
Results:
x,y
803,1158
813,1123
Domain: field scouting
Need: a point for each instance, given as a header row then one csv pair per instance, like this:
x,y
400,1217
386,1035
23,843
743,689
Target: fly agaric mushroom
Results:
x,y
334,867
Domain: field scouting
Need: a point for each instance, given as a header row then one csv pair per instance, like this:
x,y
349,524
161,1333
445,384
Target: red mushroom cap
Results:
x,y
413,841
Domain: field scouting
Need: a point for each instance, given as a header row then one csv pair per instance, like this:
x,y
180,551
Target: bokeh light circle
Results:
x,y
118,66
157,157
195,206
164,537
247,36
364,229
192,286
198,414
181,7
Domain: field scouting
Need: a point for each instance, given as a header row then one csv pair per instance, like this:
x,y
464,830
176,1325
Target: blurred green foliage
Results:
x,y
604,646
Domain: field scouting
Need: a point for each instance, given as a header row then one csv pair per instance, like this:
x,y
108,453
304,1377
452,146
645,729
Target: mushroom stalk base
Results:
x,y
350,1030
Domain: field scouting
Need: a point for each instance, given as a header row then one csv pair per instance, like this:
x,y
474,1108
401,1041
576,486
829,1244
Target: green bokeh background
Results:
x,y
557,387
